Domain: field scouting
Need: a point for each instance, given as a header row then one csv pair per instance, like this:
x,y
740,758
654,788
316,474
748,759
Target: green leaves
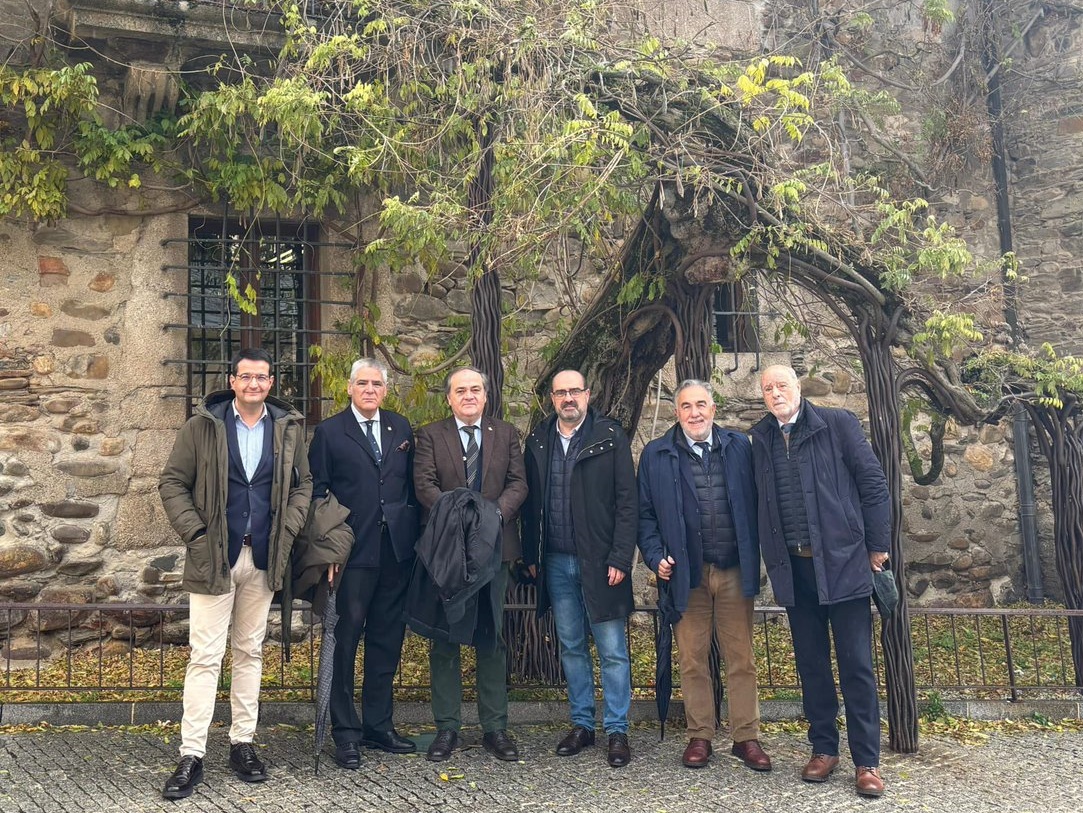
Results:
x,y
49,107
944,333
910,246
642,286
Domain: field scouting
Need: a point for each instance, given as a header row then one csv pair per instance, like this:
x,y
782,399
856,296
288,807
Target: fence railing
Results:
x,y
125,651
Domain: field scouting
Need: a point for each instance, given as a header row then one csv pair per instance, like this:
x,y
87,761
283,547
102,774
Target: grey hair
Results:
x,y
789,372
688,383
375,364
453,373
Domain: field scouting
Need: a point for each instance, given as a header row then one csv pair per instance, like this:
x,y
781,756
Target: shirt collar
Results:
x,y
237,414
361,418
795,417
571,434
460,424
709,440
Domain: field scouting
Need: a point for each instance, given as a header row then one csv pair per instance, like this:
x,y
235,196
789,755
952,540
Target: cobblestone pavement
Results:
x,y
100,771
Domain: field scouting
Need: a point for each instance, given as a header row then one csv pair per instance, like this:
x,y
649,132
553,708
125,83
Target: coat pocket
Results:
x,y
197,561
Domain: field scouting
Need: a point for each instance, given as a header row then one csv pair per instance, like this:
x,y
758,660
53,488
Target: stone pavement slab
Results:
x,y
122,771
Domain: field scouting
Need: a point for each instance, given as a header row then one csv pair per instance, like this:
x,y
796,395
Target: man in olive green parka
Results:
x,y
236,489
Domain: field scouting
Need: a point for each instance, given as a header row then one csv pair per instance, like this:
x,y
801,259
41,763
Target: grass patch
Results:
x,y
955,657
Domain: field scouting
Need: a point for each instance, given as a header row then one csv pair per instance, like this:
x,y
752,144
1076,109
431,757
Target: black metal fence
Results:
x,y
125,651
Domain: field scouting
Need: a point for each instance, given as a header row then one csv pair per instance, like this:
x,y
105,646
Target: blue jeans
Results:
x,y
610,638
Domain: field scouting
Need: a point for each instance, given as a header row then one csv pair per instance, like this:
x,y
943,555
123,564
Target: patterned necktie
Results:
x,y
472,453
704,450
372,442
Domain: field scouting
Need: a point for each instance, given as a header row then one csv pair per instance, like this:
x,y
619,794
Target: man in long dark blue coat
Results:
x,y
825,526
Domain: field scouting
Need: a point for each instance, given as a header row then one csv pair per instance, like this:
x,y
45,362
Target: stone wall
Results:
x,y
84,429
733,26
1044,119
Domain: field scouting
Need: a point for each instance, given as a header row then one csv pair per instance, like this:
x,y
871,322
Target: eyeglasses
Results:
x,y
257,378
575,392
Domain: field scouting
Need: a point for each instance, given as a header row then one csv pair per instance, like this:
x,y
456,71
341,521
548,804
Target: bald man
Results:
x,y
825,526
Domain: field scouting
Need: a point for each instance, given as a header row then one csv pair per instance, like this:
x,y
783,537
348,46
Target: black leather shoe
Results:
x,y
389,741
501,746
445,742
575,741
245,763
189,773
348,756
620,753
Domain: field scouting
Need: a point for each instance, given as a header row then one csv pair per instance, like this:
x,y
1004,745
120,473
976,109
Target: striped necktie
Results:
x,y
372,442
472,454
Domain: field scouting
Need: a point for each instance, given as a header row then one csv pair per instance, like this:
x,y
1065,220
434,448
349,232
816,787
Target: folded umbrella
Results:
x,y
663,674
324,673
663,653
884,591
714,666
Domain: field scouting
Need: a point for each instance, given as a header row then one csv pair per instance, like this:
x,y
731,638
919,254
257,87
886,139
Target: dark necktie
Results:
x,y
705,458
787,429
472,453
372,441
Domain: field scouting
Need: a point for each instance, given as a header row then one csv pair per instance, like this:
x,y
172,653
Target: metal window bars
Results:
x,y
276,266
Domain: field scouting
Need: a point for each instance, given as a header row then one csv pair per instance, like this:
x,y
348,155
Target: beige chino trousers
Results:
x,y
248,604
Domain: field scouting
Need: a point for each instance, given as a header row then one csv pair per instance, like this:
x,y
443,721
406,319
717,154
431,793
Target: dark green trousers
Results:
x,y
445,667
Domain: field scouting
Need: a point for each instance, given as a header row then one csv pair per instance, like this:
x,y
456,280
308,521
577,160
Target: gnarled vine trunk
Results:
x,y
620,346
885,429
1060,437
485,299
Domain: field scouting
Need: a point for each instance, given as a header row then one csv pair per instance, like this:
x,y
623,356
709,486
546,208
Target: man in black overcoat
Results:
x,y
364,456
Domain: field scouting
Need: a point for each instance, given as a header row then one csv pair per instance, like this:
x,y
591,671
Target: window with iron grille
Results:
x,y
736,318
274,264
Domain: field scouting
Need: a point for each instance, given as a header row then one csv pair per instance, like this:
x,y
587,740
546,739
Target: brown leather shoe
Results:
x,y
869,782
697,754
819,767
575,741
751,753
620,752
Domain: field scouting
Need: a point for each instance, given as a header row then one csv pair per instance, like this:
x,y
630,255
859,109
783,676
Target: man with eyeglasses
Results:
x,y
579,539
236,489
364,456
